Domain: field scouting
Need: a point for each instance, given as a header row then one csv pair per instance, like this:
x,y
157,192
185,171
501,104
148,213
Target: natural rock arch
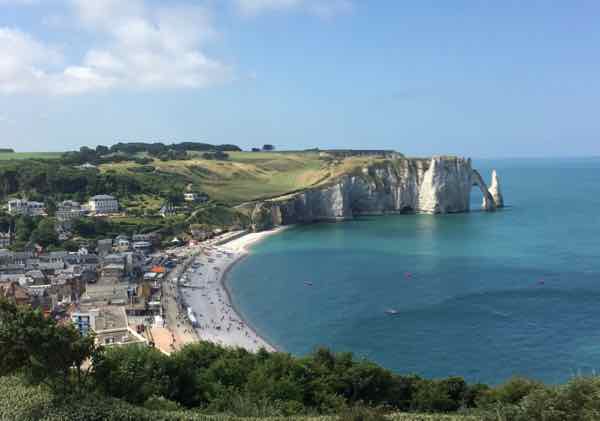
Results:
x,y
488,203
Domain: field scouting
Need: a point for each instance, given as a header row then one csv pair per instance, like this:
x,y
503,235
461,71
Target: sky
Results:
x,y
484,79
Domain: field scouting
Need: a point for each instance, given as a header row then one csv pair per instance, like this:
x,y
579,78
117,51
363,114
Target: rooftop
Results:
x,y
102,197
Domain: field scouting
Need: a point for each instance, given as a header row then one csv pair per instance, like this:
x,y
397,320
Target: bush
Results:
x,y
362,413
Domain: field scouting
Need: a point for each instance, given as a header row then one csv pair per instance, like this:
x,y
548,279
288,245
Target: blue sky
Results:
x,y
475,78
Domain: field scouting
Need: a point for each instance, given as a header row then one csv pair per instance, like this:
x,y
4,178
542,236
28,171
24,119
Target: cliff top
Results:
x,y
247,176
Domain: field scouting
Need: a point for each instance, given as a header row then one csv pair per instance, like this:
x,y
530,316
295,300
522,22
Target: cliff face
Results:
x,y
439,185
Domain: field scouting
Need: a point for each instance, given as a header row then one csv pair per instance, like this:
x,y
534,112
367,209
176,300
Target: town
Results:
x,y
113,287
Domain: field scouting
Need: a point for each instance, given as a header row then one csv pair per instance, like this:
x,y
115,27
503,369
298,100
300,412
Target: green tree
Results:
x,y
51,207
24,226
45,351
45,233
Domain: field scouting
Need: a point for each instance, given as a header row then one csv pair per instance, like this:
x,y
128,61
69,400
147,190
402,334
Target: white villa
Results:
x,y
25,207
103,203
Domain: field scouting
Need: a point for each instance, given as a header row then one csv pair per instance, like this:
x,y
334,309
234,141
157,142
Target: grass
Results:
x,y
249,176
6,156
19,401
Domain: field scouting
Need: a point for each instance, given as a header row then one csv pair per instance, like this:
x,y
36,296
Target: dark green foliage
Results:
x,y
45,351
24,226
51,178
218,156
510,392
45,233
439,395
218,215
363,413
172,155
242,383
133,373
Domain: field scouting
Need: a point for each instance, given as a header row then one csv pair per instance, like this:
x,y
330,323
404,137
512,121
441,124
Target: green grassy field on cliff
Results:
x,y
247,176
5,156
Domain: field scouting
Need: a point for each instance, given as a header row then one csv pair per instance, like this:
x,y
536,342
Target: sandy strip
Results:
x,y
203,289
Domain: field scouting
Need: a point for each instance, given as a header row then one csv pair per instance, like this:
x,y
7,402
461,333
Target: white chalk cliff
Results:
x,y
436,185
495,190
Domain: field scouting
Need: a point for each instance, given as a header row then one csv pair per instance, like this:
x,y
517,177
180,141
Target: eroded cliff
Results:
x,y
436,185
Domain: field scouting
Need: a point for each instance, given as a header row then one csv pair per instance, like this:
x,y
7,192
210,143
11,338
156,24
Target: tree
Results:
x,y
45,351
102,150
268,147
24,227
51,207
45,233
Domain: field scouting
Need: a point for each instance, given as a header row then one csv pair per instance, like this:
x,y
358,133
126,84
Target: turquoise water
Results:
x,y
489,295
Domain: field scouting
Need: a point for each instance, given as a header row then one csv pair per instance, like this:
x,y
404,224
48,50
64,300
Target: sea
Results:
x,y
485,296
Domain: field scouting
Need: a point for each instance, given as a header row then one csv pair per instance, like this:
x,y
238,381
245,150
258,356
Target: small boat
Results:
x,y
308,284
392,312
541,282
407,275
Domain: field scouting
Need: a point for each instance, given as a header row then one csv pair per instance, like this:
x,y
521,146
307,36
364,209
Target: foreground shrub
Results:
x,y
362,413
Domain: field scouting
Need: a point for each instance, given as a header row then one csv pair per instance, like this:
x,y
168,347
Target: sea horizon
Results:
x,y
460,283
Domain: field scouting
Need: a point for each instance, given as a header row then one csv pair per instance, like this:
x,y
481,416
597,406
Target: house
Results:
x,y
104,246
151,237
17,206
14,292
142,246
25,207
167,210
109,324
121,243
84,321
69,209
195,197
5,240
103,203
113,269
87,166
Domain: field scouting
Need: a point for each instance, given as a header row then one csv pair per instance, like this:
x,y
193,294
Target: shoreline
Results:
x,y
209,296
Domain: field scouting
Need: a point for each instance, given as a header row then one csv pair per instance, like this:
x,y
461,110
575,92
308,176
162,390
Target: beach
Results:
x,y
203,288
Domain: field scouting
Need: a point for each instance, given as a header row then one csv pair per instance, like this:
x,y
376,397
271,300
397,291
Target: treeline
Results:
x,y
211,379
135,151
40,179
7,150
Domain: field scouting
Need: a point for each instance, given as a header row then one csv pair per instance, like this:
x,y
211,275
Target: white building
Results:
x,y
103,203
195,197
84,321
69,209
25,207
5,239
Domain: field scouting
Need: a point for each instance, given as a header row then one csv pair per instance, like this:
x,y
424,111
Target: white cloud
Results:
x,y
323,8
138,47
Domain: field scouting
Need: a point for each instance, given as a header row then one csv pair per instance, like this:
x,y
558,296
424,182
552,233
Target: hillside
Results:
x,y
5,156
247,176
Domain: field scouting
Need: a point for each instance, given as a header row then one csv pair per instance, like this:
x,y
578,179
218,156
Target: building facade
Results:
x,y
69,209
25,207
103,203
